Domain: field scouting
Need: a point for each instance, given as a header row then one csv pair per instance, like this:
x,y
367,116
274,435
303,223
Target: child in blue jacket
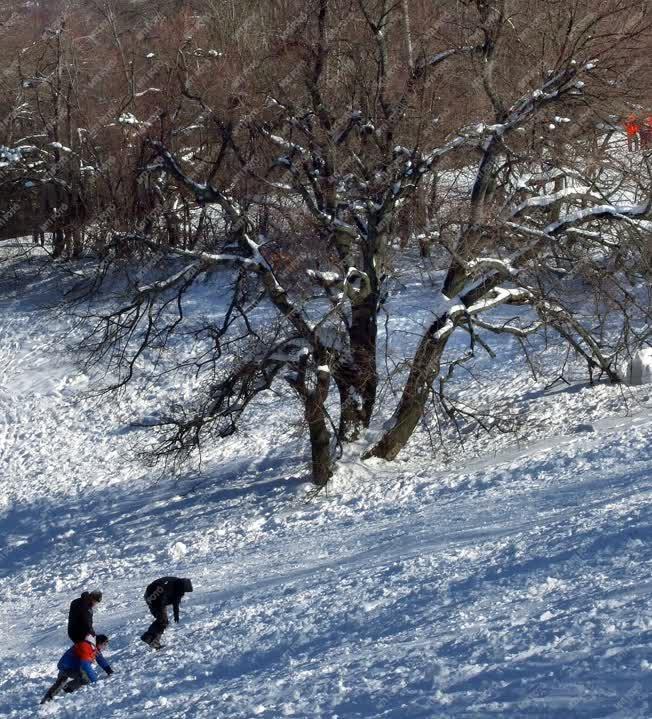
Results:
x,y
76,666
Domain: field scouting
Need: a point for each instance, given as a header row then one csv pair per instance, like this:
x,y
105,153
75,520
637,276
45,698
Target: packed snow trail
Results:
x,y
512,584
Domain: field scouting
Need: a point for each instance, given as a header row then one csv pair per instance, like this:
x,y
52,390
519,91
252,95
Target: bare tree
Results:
x,y
484,132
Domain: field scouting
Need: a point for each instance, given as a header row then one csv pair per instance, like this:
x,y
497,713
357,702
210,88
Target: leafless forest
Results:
x,y
303,153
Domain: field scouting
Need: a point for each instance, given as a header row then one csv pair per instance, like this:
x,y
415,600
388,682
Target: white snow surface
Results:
x,y
509,577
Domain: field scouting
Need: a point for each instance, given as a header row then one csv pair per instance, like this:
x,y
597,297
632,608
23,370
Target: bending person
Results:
x,y
159,595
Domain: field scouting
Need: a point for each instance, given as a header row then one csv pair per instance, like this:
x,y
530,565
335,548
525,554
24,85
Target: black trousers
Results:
x,y
74,679
159,625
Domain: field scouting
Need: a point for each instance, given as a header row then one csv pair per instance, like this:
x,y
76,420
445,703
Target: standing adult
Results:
x,y
80,615
159,595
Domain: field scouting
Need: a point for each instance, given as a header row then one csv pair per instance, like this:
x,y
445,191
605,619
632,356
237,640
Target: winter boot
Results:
x,y
53,690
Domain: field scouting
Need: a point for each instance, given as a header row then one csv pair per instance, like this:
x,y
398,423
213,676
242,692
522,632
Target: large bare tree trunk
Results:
x,y
320,438
358,381
424,370
314,402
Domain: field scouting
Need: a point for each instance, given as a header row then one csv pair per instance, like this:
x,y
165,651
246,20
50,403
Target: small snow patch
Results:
x,y
178,551
257,524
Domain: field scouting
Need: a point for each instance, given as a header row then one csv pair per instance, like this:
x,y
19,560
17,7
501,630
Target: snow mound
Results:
x,y
640,367
178,551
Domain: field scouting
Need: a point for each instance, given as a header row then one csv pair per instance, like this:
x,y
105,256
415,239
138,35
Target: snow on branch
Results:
x,y
187,273
544,201
210,260
616,212
439,57
288,146
528,230
338,225
506,328
587,234
144,92
444,150
500,296
529,180
568,223
552,90
204,193
327,280
289,353
491,263
357,285
497,296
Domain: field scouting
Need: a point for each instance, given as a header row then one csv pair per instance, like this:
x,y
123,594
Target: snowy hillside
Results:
x,y
510,578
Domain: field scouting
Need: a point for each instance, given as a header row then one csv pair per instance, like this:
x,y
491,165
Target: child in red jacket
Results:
x,y
76,666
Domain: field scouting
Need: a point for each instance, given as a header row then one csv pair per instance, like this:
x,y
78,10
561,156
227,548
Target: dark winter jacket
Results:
x,y
80,618
80,657
167,590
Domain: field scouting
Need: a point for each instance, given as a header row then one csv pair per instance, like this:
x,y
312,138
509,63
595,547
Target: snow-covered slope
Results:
x,y
505,580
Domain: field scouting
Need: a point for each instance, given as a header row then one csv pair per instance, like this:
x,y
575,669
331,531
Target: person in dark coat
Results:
x,y
159,595
80,616
76,666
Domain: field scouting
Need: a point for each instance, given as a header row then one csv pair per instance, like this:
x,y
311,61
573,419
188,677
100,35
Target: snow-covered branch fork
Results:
x,y
482,293
309,191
